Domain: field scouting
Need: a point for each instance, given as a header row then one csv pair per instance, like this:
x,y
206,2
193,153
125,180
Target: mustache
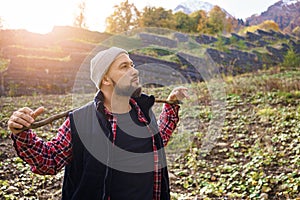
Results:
x,y
134,78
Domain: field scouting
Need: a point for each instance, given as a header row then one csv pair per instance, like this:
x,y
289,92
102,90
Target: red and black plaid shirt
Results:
x,y
51,156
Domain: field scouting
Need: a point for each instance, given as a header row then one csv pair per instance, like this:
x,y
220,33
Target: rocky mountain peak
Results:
x,y
190,6
286,13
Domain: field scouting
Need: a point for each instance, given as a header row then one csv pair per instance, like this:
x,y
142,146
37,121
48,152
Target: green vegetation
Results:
x,y
64,59
256,155
3,64
291,59
239,44
127,17
158,53
37,49
221,44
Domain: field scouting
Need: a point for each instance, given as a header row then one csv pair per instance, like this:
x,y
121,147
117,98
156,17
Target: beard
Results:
x,y
128,91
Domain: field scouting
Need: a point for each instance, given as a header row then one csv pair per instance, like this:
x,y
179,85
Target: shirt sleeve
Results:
x,y
45,157
167,122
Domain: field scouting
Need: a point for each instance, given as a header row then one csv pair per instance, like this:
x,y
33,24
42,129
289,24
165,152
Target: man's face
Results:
x,y
123,76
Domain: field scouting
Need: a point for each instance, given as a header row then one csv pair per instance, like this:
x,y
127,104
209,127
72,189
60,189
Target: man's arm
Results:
x,y
44,157
168,118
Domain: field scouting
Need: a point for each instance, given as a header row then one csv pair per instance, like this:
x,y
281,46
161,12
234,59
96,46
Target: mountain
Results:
x,y
286,13
288,2
190,6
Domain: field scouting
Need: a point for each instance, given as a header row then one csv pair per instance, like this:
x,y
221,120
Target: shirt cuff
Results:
x,y
22,138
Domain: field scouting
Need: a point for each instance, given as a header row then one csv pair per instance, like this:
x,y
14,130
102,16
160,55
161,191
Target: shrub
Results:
x,y
291,59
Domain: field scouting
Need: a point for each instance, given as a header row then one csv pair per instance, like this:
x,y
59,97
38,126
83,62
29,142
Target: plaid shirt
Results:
x,y
51,156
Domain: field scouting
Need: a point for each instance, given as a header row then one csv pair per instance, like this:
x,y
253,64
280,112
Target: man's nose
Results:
x,y
135,72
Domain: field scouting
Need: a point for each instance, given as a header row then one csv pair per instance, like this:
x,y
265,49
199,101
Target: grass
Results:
x,y
255,156
51,49
64,59
3,64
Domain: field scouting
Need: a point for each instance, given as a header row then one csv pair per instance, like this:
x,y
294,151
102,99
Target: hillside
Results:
x,y
58,62
255,156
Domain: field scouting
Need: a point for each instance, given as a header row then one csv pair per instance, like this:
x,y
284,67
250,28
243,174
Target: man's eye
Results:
x,y
133,65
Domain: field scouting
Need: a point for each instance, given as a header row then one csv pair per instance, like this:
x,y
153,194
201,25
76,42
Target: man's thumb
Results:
x,y
37,112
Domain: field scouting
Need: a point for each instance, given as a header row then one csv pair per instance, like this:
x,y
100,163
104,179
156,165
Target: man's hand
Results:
x,y
23,117
178,93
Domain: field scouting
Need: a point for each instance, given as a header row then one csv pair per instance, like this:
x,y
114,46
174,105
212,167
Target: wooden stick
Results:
x,y
168,101
49,120
46,121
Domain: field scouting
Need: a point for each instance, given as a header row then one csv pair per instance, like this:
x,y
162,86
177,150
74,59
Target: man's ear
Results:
x,y
105,80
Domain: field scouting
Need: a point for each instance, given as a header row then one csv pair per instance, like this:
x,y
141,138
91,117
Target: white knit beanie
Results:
x,y
101,63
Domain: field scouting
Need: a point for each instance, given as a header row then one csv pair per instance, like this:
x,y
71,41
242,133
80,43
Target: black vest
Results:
x,y
85,176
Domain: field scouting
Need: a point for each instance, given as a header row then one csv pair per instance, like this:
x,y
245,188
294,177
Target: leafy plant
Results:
x,y
3,64
291,59
221,44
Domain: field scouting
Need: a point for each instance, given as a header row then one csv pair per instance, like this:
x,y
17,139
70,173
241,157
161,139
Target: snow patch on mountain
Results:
x,y
289,2
190,6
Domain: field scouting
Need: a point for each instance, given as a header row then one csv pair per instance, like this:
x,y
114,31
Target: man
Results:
x,y
112,147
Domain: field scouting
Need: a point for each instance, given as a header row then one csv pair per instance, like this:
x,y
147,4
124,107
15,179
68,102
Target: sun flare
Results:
x,y
38,16
41,16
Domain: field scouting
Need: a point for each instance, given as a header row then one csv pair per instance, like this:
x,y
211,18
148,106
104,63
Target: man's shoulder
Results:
x,y
84,108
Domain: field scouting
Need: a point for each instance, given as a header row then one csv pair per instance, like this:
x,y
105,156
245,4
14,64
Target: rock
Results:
x,y
149,39
262,43
12,189
279,53
180,37
172,176
205,39
238,37
264,196
252,36
250,45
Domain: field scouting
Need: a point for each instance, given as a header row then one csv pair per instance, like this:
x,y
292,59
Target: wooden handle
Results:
x,y
46,121
49,120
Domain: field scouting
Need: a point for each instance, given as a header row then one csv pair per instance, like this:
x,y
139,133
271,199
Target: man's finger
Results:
x,y
182,92
25,110
185,93
37,112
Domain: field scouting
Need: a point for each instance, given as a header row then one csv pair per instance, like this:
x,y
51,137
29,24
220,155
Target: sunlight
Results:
x,y
38,16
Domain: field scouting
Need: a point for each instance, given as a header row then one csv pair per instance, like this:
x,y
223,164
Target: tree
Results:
x,y
291,59
216,21
125,17
183,22
80,18
236,24
157,17
200,21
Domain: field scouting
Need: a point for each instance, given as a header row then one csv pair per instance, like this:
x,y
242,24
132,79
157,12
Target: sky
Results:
x,y
41,16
